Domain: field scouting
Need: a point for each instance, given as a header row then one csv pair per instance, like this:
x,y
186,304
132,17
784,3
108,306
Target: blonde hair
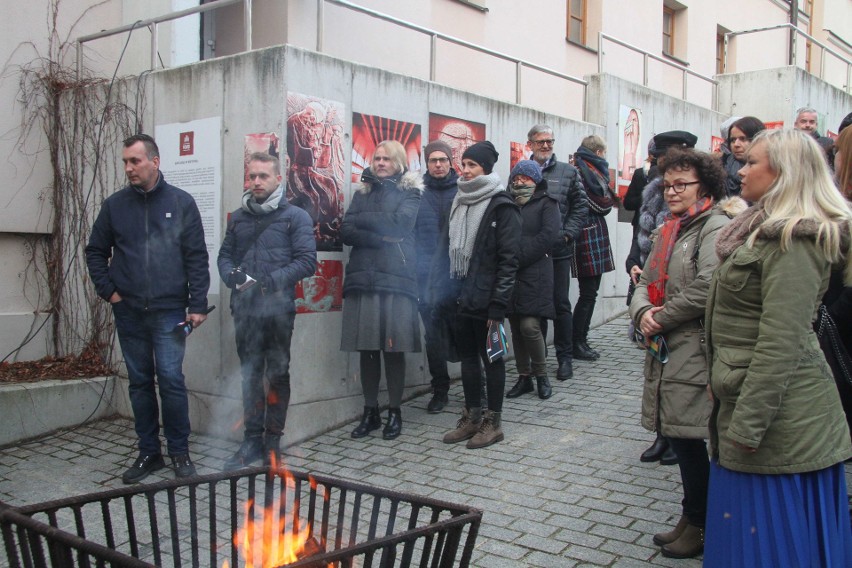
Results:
x,y
396,153
803,189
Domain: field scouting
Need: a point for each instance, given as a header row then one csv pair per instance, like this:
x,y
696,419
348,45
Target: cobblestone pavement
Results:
x,y
564,489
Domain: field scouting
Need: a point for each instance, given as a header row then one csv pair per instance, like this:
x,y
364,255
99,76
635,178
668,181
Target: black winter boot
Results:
x,y
371,420
544,389
393,428
523,386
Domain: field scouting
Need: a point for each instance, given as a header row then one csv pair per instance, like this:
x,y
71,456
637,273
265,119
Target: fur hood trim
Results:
x,y
733,206
409,181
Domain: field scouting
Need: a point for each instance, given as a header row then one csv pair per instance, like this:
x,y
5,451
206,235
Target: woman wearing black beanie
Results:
x,y
483,242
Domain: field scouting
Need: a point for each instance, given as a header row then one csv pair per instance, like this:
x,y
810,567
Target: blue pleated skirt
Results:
x,y
777,521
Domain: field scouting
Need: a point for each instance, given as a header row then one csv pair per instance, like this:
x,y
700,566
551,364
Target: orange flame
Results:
x,y
265,540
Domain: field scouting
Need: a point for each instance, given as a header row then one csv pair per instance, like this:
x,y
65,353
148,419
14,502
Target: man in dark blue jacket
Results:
x,y
269,247
147,257
441,186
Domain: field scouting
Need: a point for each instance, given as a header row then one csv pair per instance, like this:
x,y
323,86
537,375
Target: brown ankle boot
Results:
x,y
467,426
688,545
489,431
669,537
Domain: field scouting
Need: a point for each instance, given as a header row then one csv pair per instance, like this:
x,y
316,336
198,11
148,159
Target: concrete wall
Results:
x,y
249,92
660,113
744,94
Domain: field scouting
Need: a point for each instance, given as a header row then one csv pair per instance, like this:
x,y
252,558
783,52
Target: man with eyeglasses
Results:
x,y
440,181
564,185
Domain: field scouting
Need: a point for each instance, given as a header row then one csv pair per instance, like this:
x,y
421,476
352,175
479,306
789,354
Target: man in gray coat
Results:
x,y
564,185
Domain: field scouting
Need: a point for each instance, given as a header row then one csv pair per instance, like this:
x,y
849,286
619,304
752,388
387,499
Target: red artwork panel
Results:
x,y
458,133
518,151
315,133
322,292
261,142
368,130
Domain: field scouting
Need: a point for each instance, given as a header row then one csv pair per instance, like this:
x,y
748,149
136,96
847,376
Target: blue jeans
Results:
x,y
150,348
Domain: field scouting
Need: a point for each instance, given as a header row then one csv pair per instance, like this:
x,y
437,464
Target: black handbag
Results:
x,y
832,346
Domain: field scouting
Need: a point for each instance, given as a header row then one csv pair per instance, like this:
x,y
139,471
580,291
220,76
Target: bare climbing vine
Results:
x,y
79,122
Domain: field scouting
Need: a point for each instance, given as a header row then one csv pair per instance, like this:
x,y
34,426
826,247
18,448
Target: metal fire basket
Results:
x,y
192,522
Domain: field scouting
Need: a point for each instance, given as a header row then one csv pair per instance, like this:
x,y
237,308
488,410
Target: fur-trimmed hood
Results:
x,y
733,206
737,232
407,181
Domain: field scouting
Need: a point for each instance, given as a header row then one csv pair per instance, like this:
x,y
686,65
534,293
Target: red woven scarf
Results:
x,y
658,263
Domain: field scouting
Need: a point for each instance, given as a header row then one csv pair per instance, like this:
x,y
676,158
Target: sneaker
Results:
x,y
142,467
183,466
438,402
251,450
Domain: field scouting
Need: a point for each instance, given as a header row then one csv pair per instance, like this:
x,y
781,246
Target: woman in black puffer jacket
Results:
x,y
380,288
532,298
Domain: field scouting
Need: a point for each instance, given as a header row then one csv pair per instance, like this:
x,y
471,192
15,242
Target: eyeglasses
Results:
x,y
438,160
546,142
678,187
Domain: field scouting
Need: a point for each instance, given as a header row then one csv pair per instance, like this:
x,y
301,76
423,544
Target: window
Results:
x,y
720,53
577,21
668,30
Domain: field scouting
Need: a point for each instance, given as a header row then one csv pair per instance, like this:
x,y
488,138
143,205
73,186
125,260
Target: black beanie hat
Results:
x,y
673,138
484,154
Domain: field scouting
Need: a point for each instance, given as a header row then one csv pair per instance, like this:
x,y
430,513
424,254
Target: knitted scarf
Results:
x,y
658,263
522,193
250,204
733,235
466,215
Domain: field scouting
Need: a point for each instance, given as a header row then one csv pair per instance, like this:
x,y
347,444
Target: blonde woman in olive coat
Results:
x,y
779,437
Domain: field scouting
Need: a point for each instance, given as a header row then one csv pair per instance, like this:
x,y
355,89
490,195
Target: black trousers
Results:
x,y
564,323
694,466
263,344
471,334
589,286
436,349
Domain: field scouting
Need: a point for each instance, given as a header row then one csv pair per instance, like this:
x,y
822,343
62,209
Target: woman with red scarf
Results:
x,y
668,309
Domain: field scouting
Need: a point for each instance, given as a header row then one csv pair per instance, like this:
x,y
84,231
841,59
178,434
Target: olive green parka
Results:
x,y
774,390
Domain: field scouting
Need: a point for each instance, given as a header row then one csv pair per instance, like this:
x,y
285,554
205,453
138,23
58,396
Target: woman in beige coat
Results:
x,y
669,302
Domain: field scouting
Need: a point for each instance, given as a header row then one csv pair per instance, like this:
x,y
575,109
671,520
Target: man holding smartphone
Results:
x,y
269,247
147,257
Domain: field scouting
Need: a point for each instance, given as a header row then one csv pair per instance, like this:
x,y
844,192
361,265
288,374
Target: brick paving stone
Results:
x,y
565,489
638,551
591,555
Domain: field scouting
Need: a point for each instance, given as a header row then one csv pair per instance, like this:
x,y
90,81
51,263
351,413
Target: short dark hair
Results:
x,y
151,148
749,125
266,158
708,168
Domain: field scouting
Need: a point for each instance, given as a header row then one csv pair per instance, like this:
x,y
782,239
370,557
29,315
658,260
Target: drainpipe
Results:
x,y
794,34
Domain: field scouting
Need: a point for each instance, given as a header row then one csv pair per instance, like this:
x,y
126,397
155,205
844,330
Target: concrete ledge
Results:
x,y
29,410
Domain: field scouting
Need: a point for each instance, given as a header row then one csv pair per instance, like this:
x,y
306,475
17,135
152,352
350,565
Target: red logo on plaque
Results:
x,y
187,143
